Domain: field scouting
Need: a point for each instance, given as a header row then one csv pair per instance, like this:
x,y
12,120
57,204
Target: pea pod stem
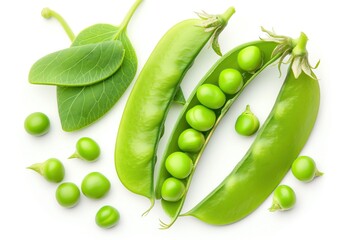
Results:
x,y
48,13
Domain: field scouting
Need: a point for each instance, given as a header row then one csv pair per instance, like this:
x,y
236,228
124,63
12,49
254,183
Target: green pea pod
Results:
x,y
147,106
229,60
278,143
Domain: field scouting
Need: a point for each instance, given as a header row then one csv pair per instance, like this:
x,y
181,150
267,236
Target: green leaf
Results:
x,y
79,66
179,97
81,106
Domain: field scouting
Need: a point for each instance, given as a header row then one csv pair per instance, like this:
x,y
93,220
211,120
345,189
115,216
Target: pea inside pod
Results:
x,y
228,61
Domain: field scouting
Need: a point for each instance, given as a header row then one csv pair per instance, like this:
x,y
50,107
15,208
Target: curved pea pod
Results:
x,y
154,90
229,60
278,143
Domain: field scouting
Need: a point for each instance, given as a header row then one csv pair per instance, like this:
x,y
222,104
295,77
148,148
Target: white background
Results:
x,y
327,207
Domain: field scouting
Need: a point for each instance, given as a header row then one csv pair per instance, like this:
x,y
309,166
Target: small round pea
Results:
x,y
95,185
191,140
67,194
230,81
52,170
210,96
107,217
179,165
37,124
304,169
247,123
200,118
250,59
86,149
172,189
284,198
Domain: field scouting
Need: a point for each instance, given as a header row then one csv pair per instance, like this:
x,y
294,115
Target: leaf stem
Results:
x,y
48,13
125,22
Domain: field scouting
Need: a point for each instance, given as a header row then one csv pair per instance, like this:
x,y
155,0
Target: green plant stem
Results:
x,y
274,207
227,15
300,48
318,173
48,13
125,22
74,155
37,167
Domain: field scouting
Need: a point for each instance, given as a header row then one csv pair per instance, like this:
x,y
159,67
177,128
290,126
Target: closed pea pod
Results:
x,y
149,101
277,144
212,77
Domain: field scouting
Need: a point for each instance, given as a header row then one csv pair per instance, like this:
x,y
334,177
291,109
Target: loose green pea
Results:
x,y
304,169
230,81
284,198
191,140
247,123
37,124
211,96
86,149
67,194
95,185
172,189
201,118
107,217
250,59
179,165
52,170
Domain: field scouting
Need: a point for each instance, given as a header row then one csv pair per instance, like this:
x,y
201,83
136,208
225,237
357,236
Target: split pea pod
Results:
x,y
149,101
211,78
278,143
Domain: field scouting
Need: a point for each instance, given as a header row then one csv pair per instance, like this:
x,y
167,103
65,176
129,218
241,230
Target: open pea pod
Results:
x,y
227,61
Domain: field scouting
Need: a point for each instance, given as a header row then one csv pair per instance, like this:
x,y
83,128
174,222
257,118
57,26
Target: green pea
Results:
x,y
86,149
191,140
95,185
172,189
210,96
67,194
37,124
247,123
179,165
52,170
230,81
284,198
250,59
304,169
107,217
201,118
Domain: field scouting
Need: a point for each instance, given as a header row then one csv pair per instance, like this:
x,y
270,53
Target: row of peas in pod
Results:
x,y
94,185
202,117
